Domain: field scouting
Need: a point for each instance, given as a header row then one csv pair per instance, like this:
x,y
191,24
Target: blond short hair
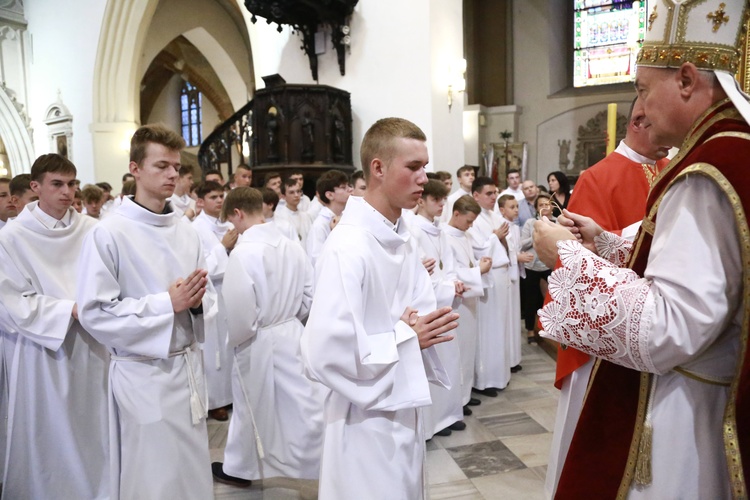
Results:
x,y
91,193
378,141
466,204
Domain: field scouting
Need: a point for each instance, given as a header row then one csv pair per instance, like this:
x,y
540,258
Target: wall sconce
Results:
x,y
3,170
126,137
457,80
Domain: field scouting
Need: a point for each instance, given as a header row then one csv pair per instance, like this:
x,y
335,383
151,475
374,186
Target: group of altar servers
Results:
x,y
118,336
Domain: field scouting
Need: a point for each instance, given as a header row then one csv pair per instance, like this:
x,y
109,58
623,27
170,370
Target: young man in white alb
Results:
x,y
291,211
333,191
465,176
372,327
218,239
58,442
144,291
181,202
267,290
445,415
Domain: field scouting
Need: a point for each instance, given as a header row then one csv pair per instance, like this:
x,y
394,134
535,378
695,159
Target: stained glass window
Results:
x,y
608,35
190,108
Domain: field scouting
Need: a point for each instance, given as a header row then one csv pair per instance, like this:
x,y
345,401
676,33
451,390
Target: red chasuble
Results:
x,y
717,146
613,193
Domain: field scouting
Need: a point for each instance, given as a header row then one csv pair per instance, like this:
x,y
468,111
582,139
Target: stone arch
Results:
x,y
15,133
118,71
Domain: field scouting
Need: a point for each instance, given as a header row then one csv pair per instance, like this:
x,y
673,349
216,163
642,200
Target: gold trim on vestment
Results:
x,y
700,377
731,446
737,135
690,141
640,418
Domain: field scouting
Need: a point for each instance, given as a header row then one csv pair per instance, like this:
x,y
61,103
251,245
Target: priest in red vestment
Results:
x,y
613,193
667,410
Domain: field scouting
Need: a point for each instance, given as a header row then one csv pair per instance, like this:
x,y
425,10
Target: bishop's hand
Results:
x,y
546,236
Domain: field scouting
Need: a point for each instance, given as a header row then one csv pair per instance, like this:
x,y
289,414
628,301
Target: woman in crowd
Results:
x,y
559,188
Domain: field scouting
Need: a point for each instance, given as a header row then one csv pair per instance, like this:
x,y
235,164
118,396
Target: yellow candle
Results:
x,y
611,126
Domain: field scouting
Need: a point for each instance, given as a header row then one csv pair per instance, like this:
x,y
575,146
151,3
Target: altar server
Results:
x,y
372,328
277,422
144,297
218,239
57,414
333,191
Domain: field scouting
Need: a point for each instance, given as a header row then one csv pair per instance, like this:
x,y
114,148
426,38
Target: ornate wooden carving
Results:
x,y
306,17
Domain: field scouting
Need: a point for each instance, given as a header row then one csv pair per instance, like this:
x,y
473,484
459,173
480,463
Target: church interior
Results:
x,y
496,85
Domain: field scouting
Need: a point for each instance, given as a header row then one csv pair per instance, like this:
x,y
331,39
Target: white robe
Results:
x,y
217,355
467,269
180,204
158,391
492,366
355,344
447,404
315,207
691,317
299,219
515,272
57,414
318,234
268,290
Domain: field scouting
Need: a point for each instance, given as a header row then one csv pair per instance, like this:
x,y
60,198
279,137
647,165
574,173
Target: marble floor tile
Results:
x,y
544,415
475,432
459,490
532,450
484,459
494,406
512,424
540,471
523,395
518,485
442,468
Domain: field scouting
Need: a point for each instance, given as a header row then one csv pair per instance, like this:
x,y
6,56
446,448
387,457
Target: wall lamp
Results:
x,y
457,80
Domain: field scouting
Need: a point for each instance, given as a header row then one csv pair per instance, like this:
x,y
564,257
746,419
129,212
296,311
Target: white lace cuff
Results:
x,y
599,308
613,248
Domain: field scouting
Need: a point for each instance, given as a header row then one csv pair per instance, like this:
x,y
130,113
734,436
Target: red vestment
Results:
x,y
613,193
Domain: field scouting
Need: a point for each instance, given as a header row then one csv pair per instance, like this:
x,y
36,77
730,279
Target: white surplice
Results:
x,y
355,344
57,413
515,273
318,234
447,404
689,301
181,204
467,270
314,209
157,387
268,290
217,355
492,365
299,219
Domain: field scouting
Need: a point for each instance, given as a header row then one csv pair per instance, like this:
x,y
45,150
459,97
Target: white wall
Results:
x,y
532,24
393,68
64,44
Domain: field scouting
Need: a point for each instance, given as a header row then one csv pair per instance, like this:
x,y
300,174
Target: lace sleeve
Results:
x,y
613,248
599,308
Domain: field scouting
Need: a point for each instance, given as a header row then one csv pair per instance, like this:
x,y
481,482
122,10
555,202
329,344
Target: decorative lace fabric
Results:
x,y
599,308
613,248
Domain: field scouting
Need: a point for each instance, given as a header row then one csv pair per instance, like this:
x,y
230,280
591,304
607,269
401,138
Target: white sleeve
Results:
x,y
42,319
374,370
689,293
140,325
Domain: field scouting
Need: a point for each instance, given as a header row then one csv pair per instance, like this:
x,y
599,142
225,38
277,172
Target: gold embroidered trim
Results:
x,y
703,55
688,144
706,379
648,226
627,477
731,446
737,135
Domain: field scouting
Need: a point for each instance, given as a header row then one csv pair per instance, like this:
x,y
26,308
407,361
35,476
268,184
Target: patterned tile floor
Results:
x,y
501,454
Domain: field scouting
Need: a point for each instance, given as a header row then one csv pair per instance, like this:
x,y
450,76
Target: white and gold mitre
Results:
x,y
707,33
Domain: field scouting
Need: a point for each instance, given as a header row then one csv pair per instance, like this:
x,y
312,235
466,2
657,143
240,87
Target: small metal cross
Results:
x,y
652,17
719,17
